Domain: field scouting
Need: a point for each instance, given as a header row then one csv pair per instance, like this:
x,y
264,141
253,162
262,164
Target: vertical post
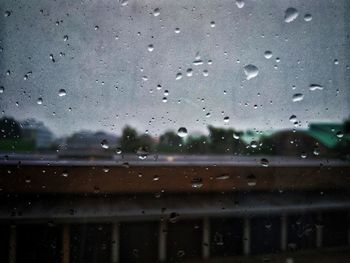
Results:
x,y
115,243
12,244
284,232
162,241
319,231
246,236
206,238
348,227
65,243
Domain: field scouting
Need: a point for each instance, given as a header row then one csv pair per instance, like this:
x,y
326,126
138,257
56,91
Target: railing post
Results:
x,y
319,231
162,241
65,243
206,238
115,243
284,232
12,244
246,236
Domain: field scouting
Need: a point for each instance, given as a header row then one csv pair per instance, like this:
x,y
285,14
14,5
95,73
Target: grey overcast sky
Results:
x,y
102,58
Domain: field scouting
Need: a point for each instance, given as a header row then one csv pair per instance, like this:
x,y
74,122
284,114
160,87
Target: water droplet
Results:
x,y
226,119
182,132
196,183
181,253
124,2
240,3
314,87
340,134
298,97
197,62
105,169
7,13
251,71
253,144
142,153
189,72
212,24
251,180
96,27
118,151
236,135
64,174
156,12
336,62
65,37
166,92
268,54
104,144
293,118
205,73
156,178
316,151
39,101
159,87
303,155
290,14
222,177
264,162
308,17
173,217
177,30
178,76
62,93
2,89
165,99
150,48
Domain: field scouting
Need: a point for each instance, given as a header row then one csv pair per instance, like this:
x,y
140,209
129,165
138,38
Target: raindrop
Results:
x,y
290,14
159,87
251,71
166,92
124,2
182,132
118,151
181,253
156,12
173,217
253,144
142,153
165,99
222,177
104,144
316,151
293,118
264,162
240,3
105,169
314,87
177,30
298,97
308,17
268,54
212,24
189,72
226,119
336,62
196,183
236,135
64,174
7,13
39,101
150,48
303,155
340,134
65,38
205,73
62,93
251,180
197,62
2,89
178,76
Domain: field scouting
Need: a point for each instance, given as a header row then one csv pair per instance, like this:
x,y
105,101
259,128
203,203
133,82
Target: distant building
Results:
x,y
36,131
89,144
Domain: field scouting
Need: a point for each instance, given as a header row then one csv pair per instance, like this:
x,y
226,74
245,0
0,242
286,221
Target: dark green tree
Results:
x,y
9,128
170,142
129,141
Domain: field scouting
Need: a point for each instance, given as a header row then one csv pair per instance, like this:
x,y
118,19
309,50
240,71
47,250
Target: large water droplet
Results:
x,y
264,162
293,118
178,76
290,14
182,132
2,89
196,183
298,97
39,101
268,54
156,12
251,71
150,48
308,17
62,92
104,144
314,87
226,119
240,3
